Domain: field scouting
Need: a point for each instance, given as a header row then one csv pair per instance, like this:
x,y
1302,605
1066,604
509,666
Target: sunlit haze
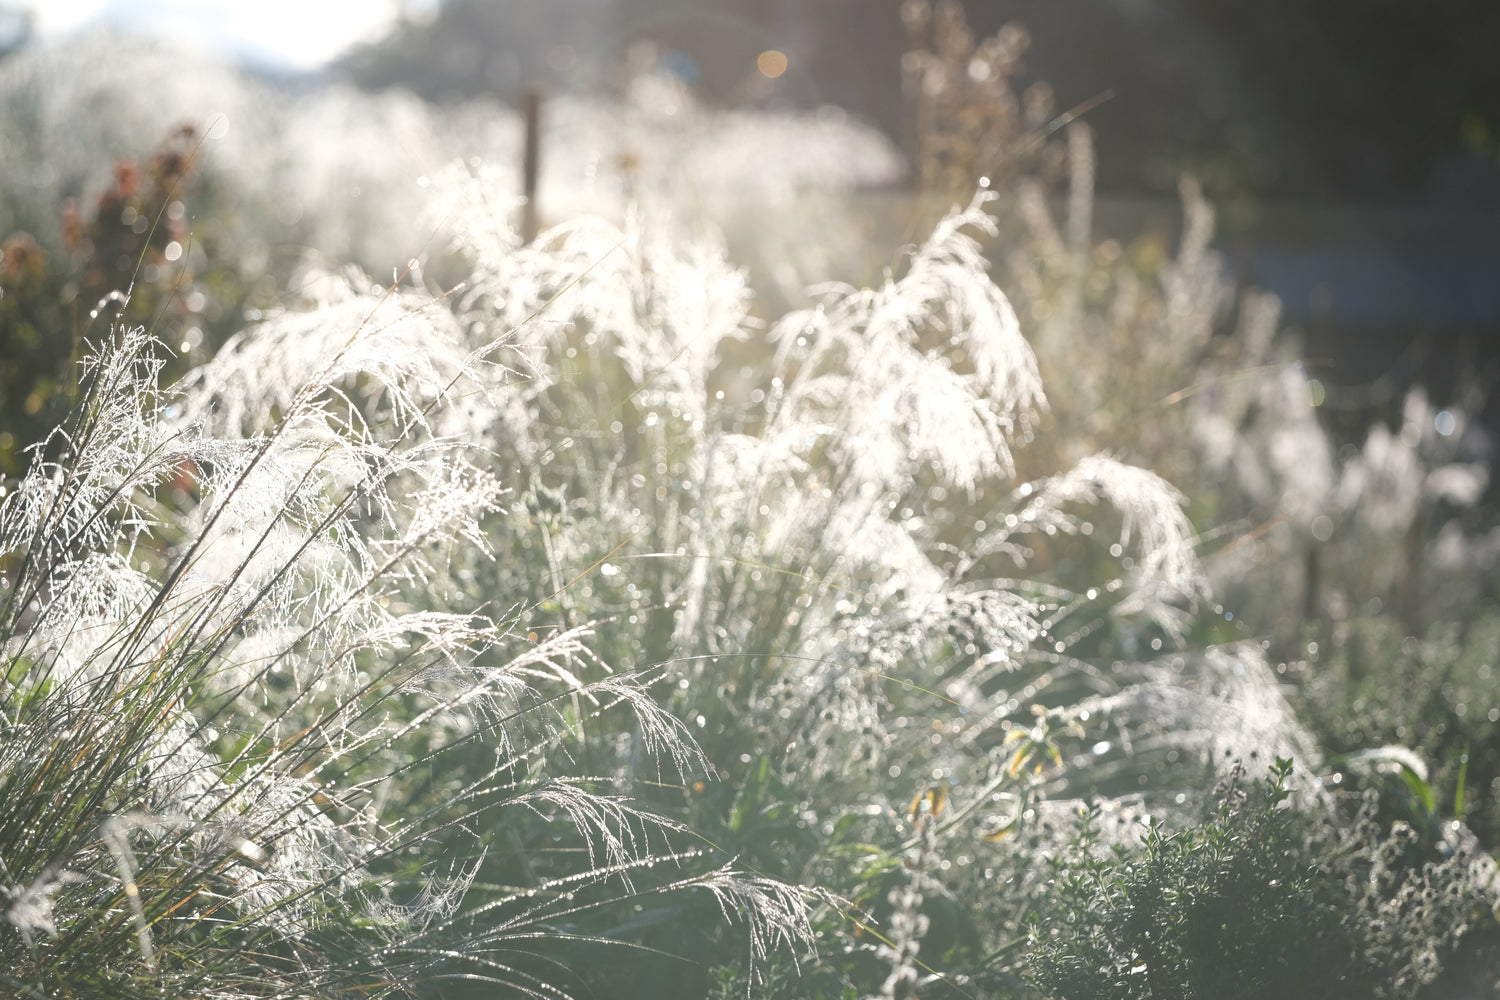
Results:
x,y
284,34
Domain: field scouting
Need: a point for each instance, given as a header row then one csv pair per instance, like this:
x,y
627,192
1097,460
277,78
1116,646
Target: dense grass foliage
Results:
x,y
224,715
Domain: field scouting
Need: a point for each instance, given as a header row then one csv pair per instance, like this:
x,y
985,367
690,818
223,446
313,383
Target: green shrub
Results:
x,y
1266,897
1372,685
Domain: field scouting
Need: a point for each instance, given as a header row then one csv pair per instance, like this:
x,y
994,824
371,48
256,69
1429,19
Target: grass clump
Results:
x,y
816,525
252,747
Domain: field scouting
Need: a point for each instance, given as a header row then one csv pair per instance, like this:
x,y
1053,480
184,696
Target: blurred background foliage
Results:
x,y
1304,93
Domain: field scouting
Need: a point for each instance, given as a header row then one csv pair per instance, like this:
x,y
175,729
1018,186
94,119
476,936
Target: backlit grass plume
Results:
x,y
257,741
815,525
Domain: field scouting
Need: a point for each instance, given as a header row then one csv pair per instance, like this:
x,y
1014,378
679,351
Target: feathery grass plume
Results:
x,y
1128,342
816,530
1343,557
1183,357
936,360
230,660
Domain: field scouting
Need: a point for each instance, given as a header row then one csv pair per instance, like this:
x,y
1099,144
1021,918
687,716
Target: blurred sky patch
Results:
x,y
283,35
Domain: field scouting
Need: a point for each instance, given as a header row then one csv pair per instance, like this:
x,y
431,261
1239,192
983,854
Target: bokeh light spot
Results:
x,y
771,63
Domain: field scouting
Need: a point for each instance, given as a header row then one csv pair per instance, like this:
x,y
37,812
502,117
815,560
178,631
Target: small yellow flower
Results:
x,y
931,801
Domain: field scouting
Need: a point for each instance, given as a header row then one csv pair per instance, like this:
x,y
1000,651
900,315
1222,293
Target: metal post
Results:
x,y
532,111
